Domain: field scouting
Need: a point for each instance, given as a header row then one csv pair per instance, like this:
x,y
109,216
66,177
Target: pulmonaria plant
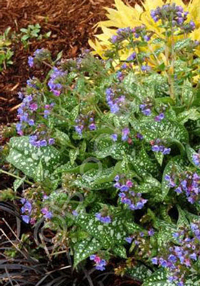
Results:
x,y
111,145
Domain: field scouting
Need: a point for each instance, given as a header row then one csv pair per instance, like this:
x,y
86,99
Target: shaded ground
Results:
x,y
71,23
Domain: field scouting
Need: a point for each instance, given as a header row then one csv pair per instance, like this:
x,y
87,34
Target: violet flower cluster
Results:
x,y
146,107
57,79
99,263
132,200
26,210
157,146
27,115
173,15
38,56
125,33
137,237
196,159
180,258
122,34
114,103
187,183
85,122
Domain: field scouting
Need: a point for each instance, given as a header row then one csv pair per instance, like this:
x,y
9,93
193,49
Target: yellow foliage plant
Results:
x,y
123,16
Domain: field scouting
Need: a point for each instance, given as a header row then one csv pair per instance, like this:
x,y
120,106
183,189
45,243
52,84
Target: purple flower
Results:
x,y
117,178
79,129
125,133
114,39
155,148
27,207
154,260
167,178
114,108
92,126
146,112
31,122
166,151
30,62
103,219
159,117
178,190
196,159
43,143
129,239
192,24
75,213
47,214
26,218
124,188
131,57
147,38
99,263
151,232
51,141
114,137
33,106
145,68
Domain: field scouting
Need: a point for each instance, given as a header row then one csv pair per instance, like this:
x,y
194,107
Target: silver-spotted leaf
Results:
x,y
84,249
152,130
27,158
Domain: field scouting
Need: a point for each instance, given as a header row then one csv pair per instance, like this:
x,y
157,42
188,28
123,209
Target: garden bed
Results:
x,y
100,180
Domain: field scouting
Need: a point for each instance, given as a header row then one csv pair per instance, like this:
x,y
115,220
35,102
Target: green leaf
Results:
x,y
25,37
59,56
110,234
192,114
159,156
23,30
190,153
74,113
182,218
172,166
26,157
84,249
144,165
104,147
39,174
62,138
187,93
151,186
17,183
73,153
90,179
139,272
81,169
158,278
152,130
181,44
166,231
120,251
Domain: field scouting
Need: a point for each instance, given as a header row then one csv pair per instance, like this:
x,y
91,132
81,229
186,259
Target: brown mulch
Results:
x,y
71,23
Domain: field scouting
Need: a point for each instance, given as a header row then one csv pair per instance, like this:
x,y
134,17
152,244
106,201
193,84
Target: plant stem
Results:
x,y
14,176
